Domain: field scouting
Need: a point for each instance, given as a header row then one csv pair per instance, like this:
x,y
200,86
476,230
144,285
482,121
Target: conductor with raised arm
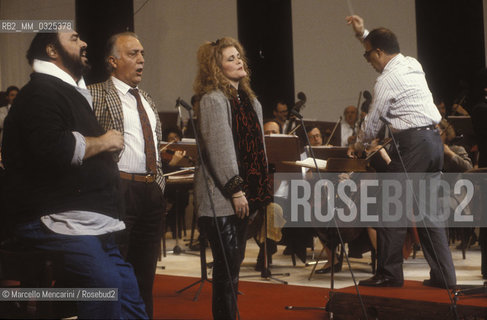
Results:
x,y
402,98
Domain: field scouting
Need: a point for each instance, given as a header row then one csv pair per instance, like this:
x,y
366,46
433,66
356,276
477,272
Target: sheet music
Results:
x,y
309,163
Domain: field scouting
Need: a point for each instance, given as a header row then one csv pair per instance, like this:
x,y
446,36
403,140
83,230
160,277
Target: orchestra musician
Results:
x,y
413,116
234,164
349,125
272,127
177,196
281,114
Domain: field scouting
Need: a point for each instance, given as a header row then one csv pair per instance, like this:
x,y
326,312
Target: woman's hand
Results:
x,y
240,204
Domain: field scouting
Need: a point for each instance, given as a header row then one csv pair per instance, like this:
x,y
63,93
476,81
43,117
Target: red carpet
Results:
x,y
413,301
260,300
263,300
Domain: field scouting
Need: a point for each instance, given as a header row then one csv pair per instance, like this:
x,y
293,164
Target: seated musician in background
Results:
x,y
315,137
177,196
170,162
272,127
349,126
441,106
456,158
281,112
459,107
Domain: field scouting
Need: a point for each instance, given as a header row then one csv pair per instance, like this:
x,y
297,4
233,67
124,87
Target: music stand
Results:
x,y
282,147
168,119
326,152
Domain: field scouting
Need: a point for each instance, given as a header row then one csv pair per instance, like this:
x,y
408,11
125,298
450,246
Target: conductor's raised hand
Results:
x,y
357,24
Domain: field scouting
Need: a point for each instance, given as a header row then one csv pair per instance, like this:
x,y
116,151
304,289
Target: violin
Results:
x,y
169,150
168,154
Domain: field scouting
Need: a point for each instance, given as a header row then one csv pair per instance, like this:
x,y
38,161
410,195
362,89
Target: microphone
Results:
x,y
186,106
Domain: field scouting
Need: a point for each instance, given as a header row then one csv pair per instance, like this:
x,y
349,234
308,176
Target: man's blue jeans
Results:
x,y
90,262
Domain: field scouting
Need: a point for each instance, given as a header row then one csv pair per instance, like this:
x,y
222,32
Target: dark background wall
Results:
x,y
450,42
450,37
265,31
96,21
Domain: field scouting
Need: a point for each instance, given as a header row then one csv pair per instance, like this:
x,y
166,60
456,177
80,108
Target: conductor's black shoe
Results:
x,y
437,284
381,281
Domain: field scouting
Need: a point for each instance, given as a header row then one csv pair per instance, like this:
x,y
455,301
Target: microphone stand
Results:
x,y
177,250
203,257
266,272
396,147
299,116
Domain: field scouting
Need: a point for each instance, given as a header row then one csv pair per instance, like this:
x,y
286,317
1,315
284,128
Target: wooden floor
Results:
x,y
188,264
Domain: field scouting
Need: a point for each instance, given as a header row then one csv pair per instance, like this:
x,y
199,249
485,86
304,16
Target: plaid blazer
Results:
x,y
108,110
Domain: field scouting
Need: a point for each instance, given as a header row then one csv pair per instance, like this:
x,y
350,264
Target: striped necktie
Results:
x,y
149,147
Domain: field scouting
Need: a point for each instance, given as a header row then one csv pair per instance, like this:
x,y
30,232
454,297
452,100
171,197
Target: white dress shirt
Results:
x,y
346,131
402,97
132,159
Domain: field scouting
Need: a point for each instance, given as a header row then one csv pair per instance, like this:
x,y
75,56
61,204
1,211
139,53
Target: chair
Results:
x,y
467,235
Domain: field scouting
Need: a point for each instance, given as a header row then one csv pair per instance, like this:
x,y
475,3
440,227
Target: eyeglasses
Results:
x,y
368,52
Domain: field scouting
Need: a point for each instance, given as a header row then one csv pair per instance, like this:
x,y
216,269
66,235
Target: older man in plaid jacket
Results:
x,y
120,105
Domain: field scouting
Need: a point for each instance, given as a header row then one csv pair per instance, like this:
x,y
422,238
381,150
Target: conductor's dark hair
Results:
x,y
37,49
384,39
